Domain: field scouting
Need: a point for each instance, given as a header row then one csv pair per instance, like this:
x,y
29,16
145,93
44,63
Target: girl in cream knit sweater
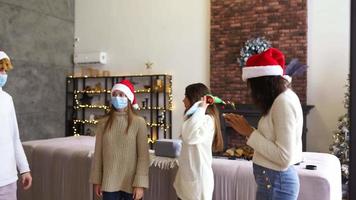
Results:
x,y
121,160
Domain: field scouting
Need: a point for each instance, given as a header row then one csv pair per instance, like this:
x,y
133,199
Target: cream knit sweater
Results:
x,y
121,160
278,139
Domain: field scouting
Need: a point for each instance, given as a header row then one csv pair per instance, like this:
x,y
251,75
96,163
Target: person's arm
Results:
x,y
194,128
96,172
20,156
141,176
284,118
21,160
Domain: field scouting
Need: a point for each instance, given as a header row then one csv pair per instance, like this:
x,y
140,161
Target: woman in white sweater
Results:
x,y
201,135
277,140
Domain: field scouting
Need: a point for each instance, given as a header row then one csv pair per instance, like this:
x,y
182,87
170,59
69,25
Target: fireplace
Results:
x,y
234,143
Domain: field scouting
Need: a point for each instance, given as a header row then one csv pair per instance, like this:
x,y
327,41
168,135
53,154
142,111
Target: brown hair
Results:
x,y
5,64
194,93
265,89
110,117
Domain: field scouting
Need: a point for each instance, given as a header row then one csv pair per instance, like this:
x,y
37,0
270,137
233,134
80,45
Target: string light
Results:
x,y
152,108
162,126
152,141
79,121
170,96
118,76
104,107
107,91
78,104
143,90
91,91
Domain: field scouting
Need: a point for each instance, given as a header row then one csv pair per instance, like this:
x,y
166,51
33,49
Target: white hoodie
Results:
x,y
12,155
195,178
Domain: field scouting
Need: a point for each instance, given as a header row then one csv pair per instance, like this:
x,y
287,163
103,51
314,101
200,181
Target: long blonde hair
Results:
x,y
110,117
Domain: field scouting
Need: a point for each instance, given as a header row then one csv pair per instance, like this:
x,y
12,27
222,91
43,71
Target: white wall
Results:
x,y
173,34
328,58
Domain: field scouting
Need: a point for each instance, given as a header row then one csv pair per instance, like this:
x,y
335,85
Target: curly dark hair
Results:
x,y
265,89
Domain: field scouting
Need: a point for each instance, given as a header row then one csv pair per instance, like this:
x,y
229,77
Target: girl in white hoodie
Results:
x,y
12,156
201,135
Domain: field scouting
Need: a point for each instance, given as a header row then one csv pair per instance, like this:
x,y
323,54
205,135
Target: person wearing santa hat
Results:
x,y
277,140
121,160
12,155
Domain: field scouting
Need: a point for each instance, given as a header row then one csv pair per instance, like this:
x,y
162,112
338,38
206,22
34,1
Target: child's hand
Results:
x,y
137,193
97,189
26,180
203,103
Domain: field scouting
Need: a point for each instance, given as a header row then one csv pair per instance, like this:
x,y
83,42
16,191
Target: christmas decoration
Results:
x,y
268,63
251,47
295,68
259,45
340,146
210,99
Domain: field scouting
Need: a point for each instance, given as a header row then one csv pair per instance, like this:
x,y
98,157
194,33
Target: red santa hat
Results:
x,y
268,63
128,89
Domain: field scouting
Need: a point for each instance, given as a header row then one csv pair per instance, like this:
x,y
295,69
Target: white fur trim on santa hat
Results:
x,y
135,106
253,72
3,55
287,78
123,88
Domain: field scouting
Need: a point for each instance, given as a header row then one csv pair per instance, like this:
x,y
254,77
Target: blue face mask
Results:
x,y
3,79
119,102
192,109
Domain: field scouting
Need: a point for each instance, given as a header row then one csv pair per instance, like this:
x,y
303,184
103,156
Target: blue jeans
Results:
x,y
276,185
120,195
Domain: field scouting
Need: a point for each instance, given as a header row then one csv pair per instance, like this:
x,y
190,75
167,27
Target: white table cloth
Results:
x,y
61,166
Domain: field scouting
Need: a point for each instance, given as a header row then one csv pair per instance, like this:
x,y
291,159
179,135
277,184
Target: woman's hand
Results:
x,y
137,193
239,124
26,180
97,189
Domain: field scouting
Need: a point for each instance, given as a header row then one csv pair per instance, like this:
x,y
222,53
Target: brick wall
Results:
x,y
283,22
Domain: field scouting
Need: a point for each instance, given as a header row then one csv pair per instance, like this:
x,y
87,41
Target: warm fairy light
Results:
x,y
143,90
118,76
107,91
150,141
91,91
152,108
77,121
160,125
93,106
